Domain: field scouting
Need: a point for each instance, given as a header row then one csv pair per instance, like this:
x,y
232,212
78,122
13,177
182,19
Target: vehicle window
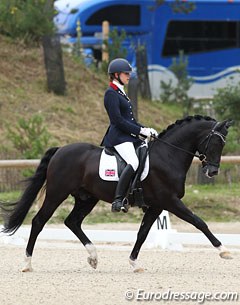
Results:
x,y
200,36
116,15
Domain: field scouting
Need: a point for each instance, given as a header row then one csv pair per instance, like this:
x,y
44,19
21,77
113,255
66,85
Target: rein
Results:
x,y
201,156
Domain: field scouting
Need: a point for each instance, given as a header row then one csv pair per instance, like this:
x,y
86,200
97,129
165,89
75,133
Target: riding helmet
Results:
x,y
119,65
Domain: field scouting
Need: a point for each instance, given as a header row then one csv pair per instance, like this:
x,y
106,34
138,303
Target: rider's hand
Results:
x,y
148,132
154,132
145,132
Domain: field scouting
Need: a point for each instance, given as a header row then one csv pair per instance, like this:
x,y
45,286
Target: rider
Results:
x,y
124,130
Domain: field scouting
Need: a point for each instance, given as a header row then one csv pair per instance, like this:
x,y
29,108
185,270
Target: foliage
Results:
x,y
78,46
210,202
225,102
114,46
26,20
30,137
178,93
233,141
214,202
179,6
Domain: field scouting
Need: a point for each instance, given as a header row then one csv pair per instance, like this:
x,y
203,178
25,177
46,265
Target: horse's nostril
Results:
x,y
214,173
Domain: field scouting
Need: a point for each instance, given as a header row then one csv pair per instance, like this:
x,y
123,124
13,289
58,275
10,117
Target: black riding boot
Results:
x,y
123,184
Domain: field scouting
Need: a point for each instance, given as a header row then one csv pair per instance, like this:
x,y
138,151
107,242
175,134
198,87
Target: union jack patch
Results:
x,y
110,172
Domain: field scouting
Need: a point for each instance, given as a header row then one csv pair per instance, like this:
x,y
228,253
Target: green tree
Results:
x,y
226,103
179,6
31,21
114,46
30,137
178,93
26,20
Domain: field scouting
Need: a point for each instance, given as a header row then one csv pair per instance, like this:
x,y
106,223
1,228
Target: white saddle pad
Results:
x,y
108,169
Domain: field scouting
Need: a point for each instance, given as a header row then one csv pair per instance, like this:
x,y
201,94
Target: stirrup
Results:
x,y
120,205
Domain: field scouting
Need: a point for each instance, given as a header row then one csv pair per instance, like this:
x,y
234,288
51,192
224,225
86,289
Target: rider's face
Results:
x,y
124,76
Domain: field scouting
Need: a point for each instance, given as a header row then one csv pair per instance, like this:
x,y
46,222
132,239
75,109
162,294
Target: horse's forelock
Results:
x,y
184,120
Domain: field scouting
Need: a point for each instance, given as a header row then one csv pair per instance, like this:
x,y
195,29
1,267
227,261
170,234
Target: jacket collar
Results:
x,y
121,87
116,87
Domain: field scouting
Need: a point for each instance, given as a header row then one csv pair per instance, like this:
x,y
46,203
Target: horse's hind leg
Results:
x,y
148,219
74,221
180,210
38,222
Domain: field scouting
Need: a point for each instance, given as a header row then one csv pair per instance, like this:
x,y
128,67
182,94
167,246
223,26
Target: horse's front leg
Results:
x,y
148,219
178,208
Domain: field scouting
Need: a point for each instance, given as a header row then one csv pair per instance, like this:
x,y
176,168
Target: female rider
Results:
x,y
124,130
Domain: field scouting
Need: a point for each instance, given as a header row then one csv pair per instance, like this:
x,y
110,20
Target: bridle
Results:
x,y
201,156
208,139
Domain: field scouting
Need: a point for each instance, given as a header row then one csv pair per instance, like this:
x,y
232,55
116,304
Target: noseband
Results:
x,y
201,156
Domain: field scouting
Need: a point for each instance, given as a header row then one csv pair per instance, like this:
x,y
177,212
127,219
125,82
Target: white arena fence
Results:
x,y
12,172
34,162
161,235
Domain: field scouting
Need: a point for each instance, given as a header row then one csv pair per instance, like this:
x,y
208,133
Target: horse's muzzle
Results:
x,y
210,171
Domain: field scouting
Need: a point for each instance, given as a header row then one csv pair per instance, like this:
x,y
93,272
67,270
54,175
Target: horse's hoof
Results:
x,y
138,270
28,264
92,262
27,269
226,255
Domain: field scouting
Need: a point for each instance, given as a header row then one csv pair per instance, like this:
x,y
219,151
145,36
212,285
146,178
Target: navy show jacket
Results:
x,y
123,126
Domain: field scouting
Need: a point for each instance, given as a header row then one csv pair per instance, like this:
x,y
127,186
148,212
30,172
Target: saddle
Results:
x,y
135,192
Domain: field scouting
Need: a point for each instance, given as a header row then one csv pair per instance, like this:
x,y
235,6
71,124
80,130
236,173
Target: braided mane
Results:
x,y
186,119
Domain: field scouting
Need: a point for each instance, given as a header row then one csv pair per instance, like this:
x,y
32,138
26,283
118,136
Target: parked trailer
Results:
x,y
209,37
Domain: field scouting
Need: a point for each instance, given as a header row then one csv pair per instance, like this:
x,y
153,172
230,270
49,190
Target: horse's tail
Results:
x,y
15,213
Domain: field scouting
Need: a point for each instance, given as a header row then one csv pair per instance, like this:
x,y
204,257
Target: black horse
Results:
x,y
73,169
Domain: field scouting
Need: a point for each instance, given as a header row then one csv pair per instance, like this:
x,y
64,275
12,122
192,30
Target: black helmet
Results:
x,y
119,65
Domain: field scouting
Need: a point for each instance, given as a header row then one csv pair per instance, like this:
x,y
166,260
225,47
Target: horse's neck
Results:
x,y
185,138
181,143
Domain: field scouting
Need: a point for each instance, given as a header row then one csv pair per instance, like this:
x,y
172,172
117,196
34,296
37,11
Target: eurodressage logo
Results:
x,y
110,173
199,297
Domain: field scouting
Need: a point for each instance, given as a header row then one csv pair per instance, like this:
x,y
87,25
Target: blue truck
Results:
x,y
209,36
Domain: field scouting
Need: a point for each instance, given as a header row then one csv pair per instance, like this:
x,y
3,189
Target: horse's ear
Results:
x,y
229,123
226,123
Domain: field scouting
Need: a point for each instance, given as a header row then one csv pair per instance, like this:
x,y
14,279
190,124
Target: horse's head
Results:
x,y
211,146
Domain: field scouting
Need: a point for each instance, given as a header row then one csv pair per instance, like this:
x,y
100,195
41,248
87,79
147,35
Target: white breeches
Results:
x,y
127,151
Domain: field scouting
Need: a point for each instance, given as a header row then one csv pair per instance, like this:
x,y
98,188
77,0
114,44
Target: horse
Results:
x,y
73,170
